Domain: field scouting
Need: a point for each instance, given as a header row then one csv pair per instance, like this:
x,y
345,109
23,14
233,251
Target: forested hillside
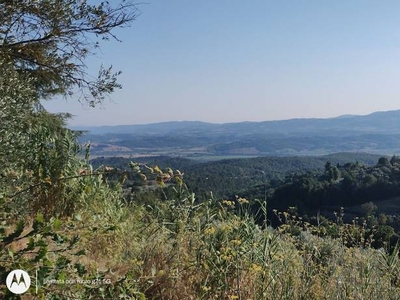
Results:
x,y
337,185
228,177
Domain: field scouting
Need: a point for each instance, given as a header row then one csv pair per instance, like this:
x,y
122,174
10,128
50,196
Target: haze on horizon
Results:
x,y
231,61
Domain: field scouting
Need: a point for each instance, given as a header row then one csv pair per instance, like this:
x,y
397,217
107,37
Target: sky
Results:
x,y
226,61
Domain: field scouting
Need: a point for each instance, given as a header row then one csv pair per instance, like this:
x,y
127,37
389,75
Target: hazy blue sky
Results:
x,y
233,60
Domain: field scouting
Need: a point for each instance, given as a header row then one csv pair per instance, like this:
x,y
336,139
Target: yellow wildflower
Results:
x,y
236,242
205,288
209,231
256,268
228,203
242,200
157,169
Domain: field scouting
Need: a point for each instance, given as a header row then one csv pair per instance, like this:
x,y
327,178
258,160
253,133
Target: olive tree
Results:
x,y
50,40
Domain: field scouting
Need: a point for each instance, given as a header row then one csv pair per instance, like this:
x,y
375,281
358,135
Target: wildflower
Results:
x,y
242,200
137,262
209,231
157,169
226,253
226,257
236,242
206,288
226,227
256,268
228,203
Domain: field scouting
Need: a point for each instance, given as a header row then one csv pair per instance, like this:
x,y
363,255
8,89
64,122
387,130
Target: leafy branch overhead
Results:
x,y
51,39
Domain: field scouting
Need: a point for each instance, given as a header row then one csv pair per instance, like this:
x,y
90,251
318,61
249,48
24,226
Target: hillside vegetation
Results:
x,y
228,177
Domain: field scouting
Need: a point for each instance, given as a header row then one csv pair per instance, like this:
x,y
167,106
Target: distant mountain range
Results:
x,y
378,132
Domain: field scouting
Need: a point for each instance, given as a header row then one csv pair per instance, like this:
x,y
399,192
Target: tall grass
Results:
x,y
182,250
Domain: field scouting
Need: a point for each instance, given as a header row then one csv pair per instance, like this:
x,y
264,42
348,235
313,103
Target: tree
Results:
x,y
43,47
36,149
50,40
383,161
17,98
369,209
332,172
394,160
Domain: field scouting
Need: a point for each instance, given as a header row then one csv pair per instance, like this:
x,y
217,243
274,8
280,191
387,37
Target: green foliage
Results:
x,y
17,98
226,178
51,203
50,40
342,185
49,156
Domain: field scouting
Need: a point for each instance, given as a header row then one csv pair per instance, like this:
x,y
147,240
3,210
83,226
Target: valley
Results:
x,y
377,133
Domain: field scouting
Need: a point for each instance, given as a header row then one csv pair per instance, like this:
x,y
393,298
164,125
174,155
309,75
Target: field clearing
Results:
x,y
205,158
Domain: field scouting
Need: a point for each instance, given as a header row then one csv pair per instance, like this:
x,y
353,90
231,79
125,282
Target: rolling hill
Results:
x,y
378,132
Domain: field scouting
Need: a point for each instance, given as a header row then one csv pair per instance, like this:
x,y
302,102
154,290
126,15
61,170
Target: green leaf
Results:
x,y
80,269
39,218
74,240
110,228
41,254
57,224
62,262
11,254
62,276
31,244
80,252
58,238
38,222
140,296
17,232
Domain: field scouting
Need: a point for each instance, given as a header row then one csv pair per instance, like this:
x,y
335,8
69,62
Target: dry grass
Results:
x,y
218,255
180,250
